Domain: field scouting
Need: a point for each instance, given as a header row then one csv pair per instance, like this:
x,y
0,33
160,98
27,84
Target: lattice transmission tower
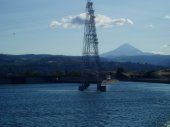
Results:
x,y
90,54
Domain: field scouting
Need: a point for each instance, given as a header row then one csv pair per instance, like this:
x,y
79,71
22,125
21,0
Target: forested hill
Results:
x,y
20,64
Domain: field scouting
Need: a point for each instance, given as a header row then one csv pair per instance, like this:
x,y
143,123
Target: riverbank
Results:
x,y
165,81
51,79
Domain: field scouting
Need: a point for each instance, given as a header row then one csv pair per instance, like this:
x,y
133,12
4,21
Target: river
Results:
x,y
125,104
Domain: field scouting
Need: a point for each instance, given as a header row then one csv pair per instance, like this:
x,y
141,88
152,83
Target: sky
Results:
x,y
56,26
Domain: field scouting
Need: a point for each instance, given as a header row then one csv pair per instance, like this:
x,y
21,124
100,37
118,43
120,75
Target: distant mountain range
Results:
x,y
128,53
124,50
125,56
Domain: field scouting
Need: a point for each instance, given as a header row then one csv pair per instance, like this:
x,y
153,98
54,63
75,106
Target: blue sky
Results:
x,y
25,25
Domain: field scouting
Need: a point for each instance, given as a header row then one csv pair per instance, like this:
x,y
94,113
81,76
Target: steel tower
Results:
x,y
90,54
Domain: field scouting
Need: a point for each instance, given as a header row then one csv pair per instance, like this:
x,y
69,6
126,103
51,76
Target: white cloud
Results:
x,y
165,46
162,50
158,52
167,17
54,24
79,20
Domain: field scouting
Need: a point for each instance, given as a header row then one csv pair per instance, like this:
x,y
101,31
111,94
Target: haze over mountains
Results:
x,y
128,53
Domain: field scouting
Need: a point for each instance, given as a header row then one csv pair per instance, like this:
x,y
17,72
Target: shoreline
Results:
x,y
51,80
164,81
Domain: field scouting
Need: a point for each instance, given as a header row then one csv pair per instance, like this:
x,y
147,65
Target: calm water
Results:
x,y
62,105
